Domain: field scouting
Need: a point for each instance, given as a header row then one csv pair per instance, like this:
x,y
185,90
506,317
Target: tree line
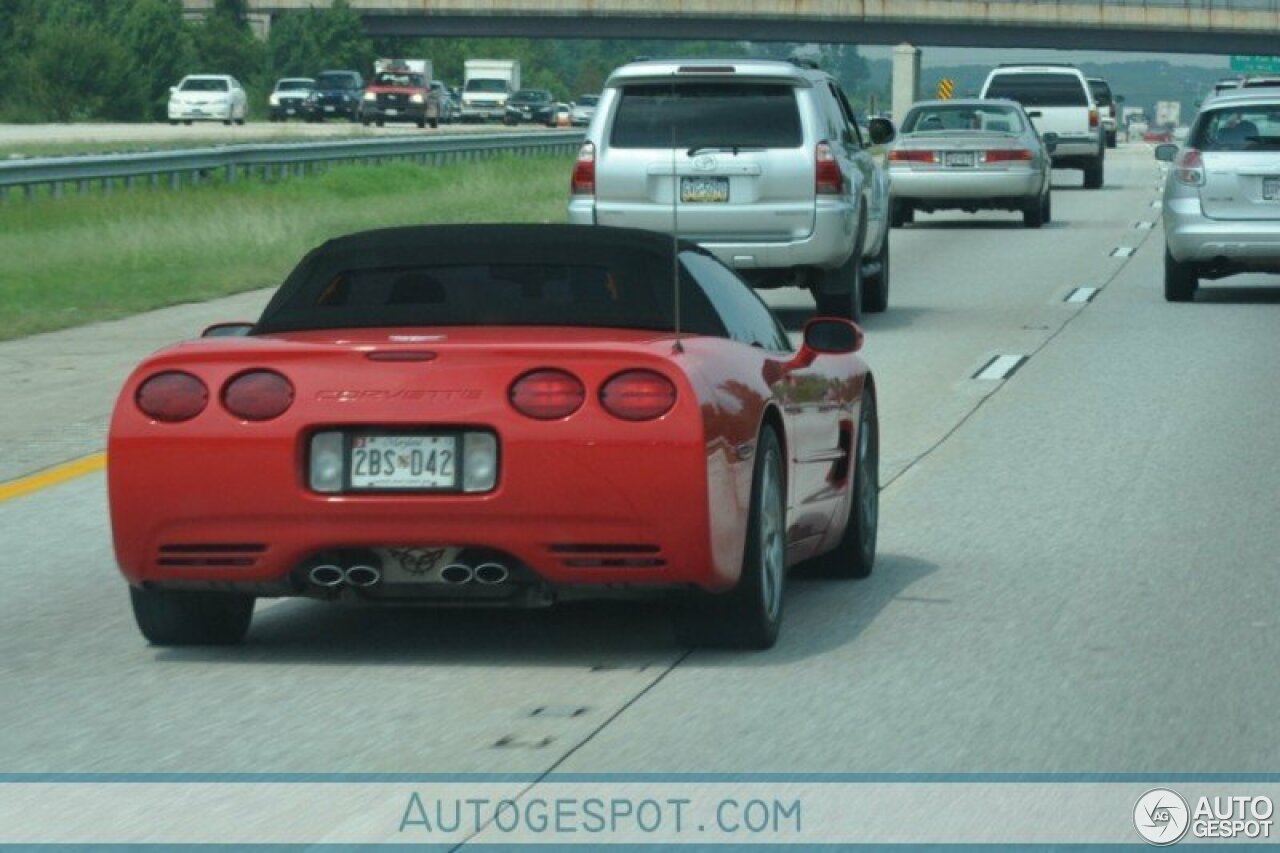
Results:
x,y
72,60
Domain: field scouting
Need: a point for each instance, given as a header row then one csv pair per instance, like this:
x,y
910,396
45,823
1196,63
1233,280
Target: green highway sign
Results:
x,y
1256,64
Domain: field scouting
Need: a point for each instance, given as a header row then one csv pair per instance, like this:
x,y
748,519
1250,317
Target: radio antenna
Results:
x,y
675,217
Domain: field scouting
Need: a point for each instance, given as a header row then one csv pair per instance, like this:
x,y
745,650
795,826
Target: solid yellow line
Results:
x,y
52,476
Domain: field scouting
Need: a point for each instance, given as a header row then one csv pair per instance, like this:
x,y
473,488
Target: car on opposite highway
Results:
x,y
336,95
1058,100
584,109
401,93
500,415
1106,101
448,103
970,155
760,161
530,105
288,96
1222,198
208,97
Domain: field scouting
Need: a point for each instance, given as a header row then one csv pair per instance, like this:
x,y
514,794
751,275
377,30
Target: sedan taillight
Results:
x,y
547,394
584,171
1008,155
908,155
172,396
258,395
1189,168
638,395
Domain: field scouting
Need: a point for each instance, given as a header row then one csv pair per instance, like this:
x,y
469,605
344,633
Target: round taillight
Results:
x,y
172,396
547,394
258,395
638,395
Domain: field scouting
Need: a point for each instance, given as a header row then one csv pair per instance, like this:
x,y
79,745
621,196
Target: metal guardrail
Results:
x,y
266,160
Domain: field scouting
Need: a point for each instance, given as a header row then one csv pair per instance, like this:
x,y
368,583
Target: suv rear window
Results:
x,y
1039,90
688,115
1101,92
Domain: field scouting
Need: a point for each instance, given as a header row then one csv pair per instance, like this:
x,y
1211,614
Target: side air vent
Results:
x,y
210,554
606,556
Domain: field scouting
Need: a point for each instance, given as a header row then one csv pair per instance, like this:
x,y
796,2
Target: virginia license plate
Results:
x,y
959,159
697,190
403,462
329,109
391,111
1271,189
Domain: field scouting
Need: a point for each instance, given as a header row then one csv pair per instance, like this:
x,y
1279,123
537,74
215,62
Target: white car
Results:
x,y
208,97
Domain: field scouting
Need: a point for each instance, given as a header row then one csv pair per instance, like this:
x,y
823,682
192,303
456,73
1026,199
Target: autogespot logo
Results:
x,y
1161,816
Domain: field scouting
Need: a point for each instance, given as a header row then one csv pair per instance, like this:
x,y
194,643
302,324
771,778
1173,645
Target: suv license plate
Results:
x,y
959,159
1271,189
426,462
704,190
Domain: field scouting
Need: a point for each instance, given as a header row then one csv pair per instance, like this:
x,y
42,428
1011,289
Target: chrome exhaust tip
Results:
x,y
327,575
363,576
456,573
491,573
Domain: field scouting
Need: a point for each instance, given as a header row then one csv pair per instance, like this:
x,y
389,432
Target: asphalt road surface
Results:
x,y
1077,572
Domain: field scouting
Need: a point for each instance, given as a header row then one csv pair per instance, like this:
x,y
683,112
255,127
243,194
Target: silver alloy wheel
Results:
x,y
772,536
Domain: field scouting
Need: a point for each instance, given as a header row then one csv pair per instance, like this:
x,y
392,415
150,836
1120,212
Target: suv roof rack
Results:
x,y
1036,65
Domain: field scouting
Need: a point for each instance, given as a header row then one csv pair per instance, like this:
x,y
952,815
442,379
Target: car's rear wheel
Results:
x,y
749,615
1033,212
1093,174
1180,280
841,294
901,213
1048,207
875,287
855,556
169,617
1111,139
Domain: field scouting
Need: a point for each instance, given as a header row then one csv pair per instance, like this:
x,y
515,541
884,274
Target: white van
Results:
x,y
1057,100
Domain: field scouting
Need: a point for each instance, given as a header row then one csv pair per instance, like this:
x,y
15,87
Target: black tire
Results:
x,y
187,122
1033,213
1180,280
173,123
435,123
855,556
227,122
1048,207
1111,139
901,213
841,294
191,618
380,123
749,615
422,124
875,288
1093,174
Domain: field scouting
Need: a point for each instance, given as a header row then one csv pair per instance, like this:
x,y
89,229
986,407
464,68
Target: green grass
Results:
x,y
87,258
68,149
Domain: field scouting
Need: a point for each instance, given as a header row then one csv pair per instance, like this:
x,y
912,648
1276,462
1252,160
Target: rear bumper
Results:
x,y
1194,238
208,113
943,186
1074,150
410,112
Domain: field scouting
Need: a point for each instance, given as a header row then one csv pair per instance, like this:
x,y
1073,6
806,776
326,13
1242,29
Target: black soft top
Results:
x,y
490,275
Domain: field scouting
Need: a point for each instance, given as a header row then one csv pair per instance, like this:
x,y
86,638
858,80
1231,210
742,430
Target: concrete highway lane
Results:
x,y
1077,573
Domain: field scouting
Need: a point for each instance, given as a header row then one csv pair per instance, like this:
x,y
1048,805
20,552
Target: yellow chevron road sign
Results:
x,y
946,89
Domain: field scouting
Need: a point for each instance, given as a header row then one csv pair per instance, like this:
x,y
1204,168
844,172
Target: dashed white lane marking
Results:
x,y
1082,294
1123,252
1000,367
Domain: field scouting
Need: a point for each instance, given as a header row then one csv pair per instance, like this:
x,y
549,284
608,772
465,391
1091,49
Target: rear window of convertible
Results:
x,y
693,114
1039,90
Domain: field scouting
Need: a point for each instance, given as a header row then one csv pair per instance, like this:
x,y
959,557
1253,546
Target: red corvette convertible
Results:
x,y
496,415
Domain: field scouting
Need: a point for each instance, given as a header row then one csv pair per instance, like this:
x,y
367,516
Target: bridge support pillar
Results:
x,y
906,79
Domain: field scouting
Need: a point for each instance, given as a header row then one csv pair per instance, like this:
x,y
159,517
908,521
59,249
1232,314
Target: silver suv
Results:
x,y
1222,199
760,161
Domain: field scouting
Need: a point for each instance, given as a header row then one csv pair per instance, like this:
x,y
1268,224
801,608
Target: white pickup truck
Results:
x,y
1058,101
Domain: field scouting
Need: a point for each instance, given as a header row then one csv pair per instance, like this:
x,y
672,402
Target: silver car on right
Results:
x,y
1222,198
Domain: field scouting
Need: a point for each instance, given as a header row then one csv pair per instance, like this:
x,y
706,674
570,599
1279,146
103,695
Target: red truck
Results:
x,y
401,91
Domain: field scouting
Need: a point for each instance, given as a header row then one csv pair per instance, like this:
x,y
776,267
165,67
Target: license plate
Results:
x,y
1271,189
704,190
403,462
959,159
290,111
329,109
391,111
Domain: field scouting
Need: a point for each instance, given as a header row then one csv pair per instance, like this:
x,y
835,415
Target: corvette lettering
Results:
x,y
383,395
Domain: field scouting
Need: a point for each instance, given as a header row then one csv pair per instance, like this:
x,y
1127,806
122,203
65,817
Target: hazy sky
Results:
x,y
988,56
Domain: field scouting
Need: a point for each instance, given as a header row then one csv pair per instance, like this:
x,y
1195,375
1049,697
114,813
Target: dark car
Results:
x,y
336,95
536,105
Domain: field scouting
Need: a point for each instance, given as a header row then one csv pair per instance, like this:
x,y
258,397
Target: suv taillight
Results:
x,y
1093,119
828,179
1189,168
584,171
638,395
172,397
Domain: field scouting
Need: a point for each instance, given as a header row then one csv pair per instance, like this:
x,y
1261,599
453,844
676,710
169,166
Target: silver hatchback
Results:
x,y
1222,199
760,161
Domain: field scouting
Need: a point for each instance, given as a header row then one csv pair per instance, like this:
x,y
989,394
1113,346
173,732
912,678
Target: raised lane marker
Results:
x,y
1144,226
52,476
1082,294
1123,252
1001,367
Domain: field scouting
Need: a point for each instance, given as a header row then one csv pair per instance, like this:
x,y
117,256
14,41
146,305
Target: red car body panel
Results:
x,y
224,502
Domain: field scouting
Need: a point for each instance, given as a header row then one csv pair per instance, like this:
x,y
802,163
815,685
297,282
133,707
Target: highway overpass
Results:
x,y
1186,26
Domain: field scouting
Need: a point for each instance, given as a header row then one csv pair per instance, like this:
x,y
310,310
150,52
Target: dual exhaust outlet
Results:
x,y
361,576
